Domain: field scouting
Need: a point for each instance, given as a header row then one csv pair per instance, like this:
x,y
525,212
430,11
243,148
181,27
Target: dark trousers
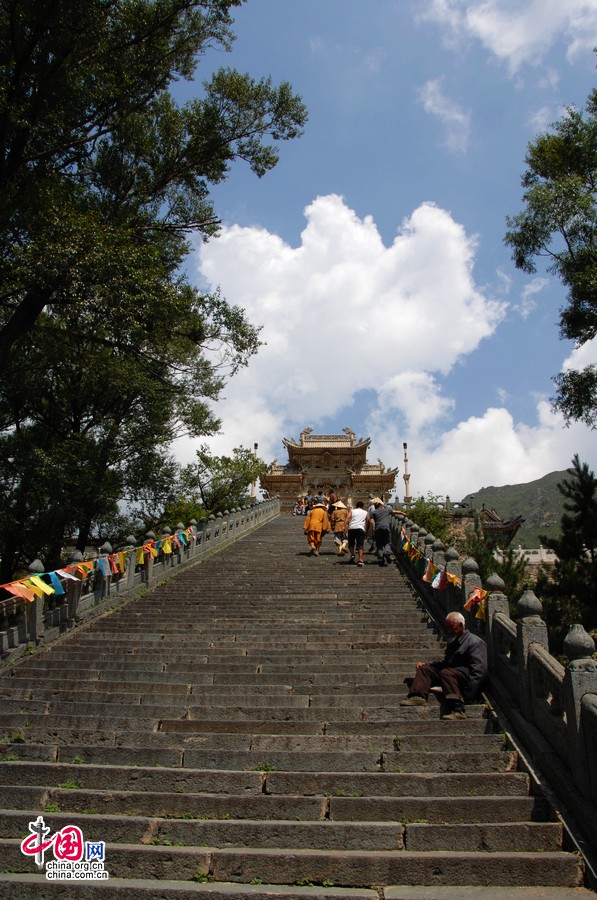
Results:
x,y
382,543
427,677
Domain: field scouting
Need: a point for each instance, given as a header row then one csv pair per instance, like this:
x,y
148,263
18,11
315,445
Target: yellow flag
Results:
x,y
35,580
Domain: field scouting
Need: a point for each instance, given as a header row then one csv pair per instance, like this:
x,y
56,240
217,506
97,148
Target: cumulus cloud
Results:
x,y
514,31
585,355
527,303
342,312
345,316
455,121
486,450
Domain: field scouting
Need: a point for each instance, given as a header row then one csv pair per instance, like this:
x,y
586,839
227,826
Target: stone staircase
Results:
x,y
236,733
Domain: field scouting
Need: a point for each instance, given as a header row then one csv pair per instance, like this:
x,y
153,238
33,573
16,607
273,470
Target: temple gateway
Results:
x,y
325,462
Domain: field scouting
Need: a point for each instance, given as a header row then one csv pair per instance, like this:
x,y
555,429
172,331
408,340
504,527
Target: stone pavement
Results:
x,y
236,733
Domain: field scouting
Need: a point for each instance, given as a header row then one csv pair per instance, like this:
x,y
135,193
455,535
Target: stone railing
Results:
x,y
551,708
87,587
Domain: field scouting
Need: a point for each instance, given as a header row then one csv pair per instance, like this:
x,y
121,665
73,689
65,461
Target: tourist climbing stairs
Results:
x,y
236,732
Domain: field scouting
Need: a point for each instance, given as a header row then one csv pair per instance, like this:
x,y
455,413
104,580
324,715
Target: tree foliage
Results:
x,y
107,353
429,513
101,171
215,483
559,223
570,592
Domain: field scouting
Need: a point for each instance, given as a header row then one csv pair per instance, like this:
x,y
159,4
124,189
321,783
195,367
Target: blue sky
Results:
x,y
373,254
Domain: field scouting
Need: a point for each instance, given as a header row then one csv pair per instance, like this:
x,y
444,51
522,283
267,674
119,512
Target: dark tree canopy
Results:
x,y
559,224
107,353
571,593
100,170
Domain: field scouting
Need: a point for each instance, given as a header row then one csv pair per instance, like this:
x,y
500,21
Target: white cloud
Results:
x,y
527,303
540,119
342,313
585,355
455,120
486,450
515,31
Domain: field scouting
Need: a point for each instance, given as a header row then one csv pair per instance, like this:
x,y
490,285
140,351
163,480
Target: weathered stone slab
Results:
x,y
296,761
383,784
200,806
135,778
524,837
437,809
386,867
322,835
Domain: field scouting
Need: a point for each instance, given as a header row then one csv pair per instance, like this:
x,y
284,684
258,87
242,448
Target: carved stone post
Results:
x,y
496,602
148,559
102,582
453,567
580,678
470,580
131,561
73,591
34,612
531,629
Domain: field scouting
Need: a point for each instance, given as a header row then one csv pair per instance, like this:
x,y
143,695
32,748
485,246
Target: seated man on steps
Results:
x,y
460,674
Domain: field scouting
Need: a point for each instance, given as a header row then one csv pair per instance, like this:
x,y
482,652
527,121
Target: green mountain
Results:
x,y
538,502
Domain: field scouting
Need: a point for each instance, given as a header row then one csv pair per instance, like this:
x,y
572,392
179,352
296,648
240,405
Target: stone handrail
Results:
x,y
551,708
24,624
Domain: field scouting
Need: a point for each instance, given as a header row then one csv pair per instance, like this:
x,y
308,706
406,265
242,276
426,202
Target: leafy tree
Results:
x,y
560,224
216,483
570,593
430,514
101,172
106,351
85,424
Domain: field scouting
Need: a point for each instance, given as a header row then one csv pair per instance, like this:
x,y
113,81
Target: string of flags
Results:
x,y
48,583
439,578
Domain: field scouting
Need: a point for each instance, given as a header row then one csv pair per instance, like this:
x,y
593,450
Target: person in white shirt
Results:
x,y
358,525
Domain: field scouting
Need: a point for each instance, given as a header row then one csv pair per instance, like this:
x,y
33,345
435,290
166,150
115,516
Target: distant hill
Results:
x,y
539,502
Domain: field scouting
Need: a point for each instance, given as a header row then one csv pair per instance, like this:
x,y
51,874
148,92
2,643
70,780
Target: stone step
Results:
x,y
421,809
229,728
321,835
303,783
292,760
27,887
420,738
171,683
348,867
32,887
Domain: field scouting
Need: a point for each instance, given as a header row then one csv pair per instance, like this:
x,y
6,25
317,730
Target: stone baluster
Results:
x,y
453,567
102,582
34,623
428,542
438,550
496,602
531,629
148,559
74,589
131,561
470,580
182,551
580,678
192,538
167,559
